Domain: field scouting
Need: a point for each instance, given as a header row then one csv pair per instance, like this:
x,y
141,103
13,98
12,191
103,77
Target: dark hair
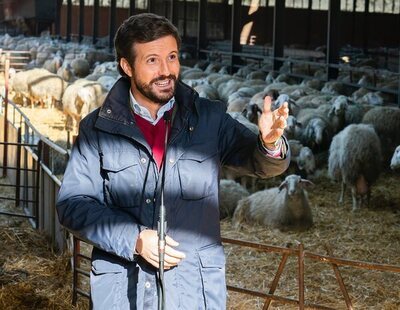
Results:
x,y
141,28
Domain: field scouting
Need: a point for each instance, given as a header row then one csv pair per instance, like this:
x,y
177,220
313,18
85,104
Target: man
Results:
x,y
110,196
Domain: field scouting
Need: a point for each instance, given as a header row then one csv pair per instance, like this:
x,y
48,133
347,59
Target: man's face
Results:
x,y
155,71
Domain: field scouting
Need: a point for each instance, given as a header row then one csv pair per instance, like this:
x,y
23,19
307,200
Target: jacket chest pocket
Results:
x,y
198,173
123,181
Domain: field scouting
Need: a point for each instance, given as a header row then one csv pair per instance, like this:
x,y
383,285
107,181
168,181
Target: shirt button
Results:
x,y
143,160
191,128
147,284
108,111
171,160
148,200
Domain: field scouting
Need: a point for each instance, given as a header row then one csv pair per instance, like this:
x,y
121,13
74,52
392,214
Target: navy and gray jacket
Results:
x,y
111,191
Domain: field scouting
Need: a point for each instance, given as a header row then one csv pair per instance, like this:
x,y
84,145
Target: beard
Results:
x,y
149,90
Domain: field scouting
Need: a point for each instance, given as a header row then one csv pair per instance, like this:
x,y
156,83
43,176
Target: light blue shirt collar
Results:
x,y
144,112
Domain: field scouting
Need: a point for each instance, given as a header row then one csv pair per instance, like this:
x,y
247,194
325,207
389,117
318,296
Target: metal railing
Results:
x,y
27,160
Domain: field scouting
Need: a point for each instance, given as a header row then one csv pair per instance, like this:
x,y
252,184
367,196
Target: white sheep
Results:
x,y
285,207
355,159
395,161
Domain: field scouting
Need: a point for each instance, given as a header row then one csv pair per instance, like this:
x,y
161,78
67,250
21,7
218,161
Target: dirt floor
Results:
x,y
33,277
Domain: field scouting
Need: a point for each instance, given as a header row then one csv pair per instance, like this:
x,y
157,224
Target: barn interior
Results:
x,y
331,53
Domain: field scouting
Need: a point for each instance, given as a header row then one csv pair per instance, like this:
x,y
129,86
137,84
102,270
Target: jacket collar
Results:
x,y
116,108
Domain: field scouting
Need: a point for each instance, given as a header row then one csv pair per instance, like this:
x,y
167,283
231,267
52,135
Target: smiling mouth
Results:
x,y
163,83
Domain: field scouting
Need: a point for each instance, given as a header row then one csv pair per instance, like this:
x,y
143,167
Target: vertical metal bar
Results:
x,y
398,88
274,284
301,276
340,280
235,33
131,7
69,19
333,38
95,22
111,32
76,249
26,174
18,171
81,20
5,147
201,26
278,33
37,184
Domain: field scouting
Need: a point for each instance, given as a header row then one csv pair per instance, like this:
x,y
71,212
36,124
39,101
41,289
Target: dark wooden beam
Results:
x,y
201,26
81,20
278,33
174,12
111,25
132,7
236,29
95,22
333,37
69,21
366,26
57,17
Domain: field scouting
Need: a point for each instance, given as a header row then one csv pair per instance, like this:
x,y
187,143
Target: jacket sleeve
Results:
x,y
81,207
242,151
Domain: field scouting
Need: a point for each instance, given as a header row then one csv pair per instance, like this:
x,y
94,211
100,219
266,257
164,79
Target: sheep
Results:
x,y
244,121
293,128
395,161
79,99
317,134
386,121
230,192
355,160
303,157
238,105
46,88
80,67
285,207
207,91
333,88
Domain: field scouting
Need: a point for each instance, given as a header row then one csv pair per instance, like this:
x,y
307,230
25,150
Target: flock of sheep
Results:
x,y
351,133
75,78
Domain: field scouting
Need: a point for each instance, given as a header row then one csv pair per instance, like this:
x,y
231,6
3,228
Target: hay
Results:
x,y
371,235
31,276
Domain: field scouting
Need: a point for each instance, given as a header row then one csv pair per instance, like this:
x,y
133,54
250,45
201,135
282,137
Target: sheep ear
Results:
x,y
282,185
331,111
291,101
307,182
